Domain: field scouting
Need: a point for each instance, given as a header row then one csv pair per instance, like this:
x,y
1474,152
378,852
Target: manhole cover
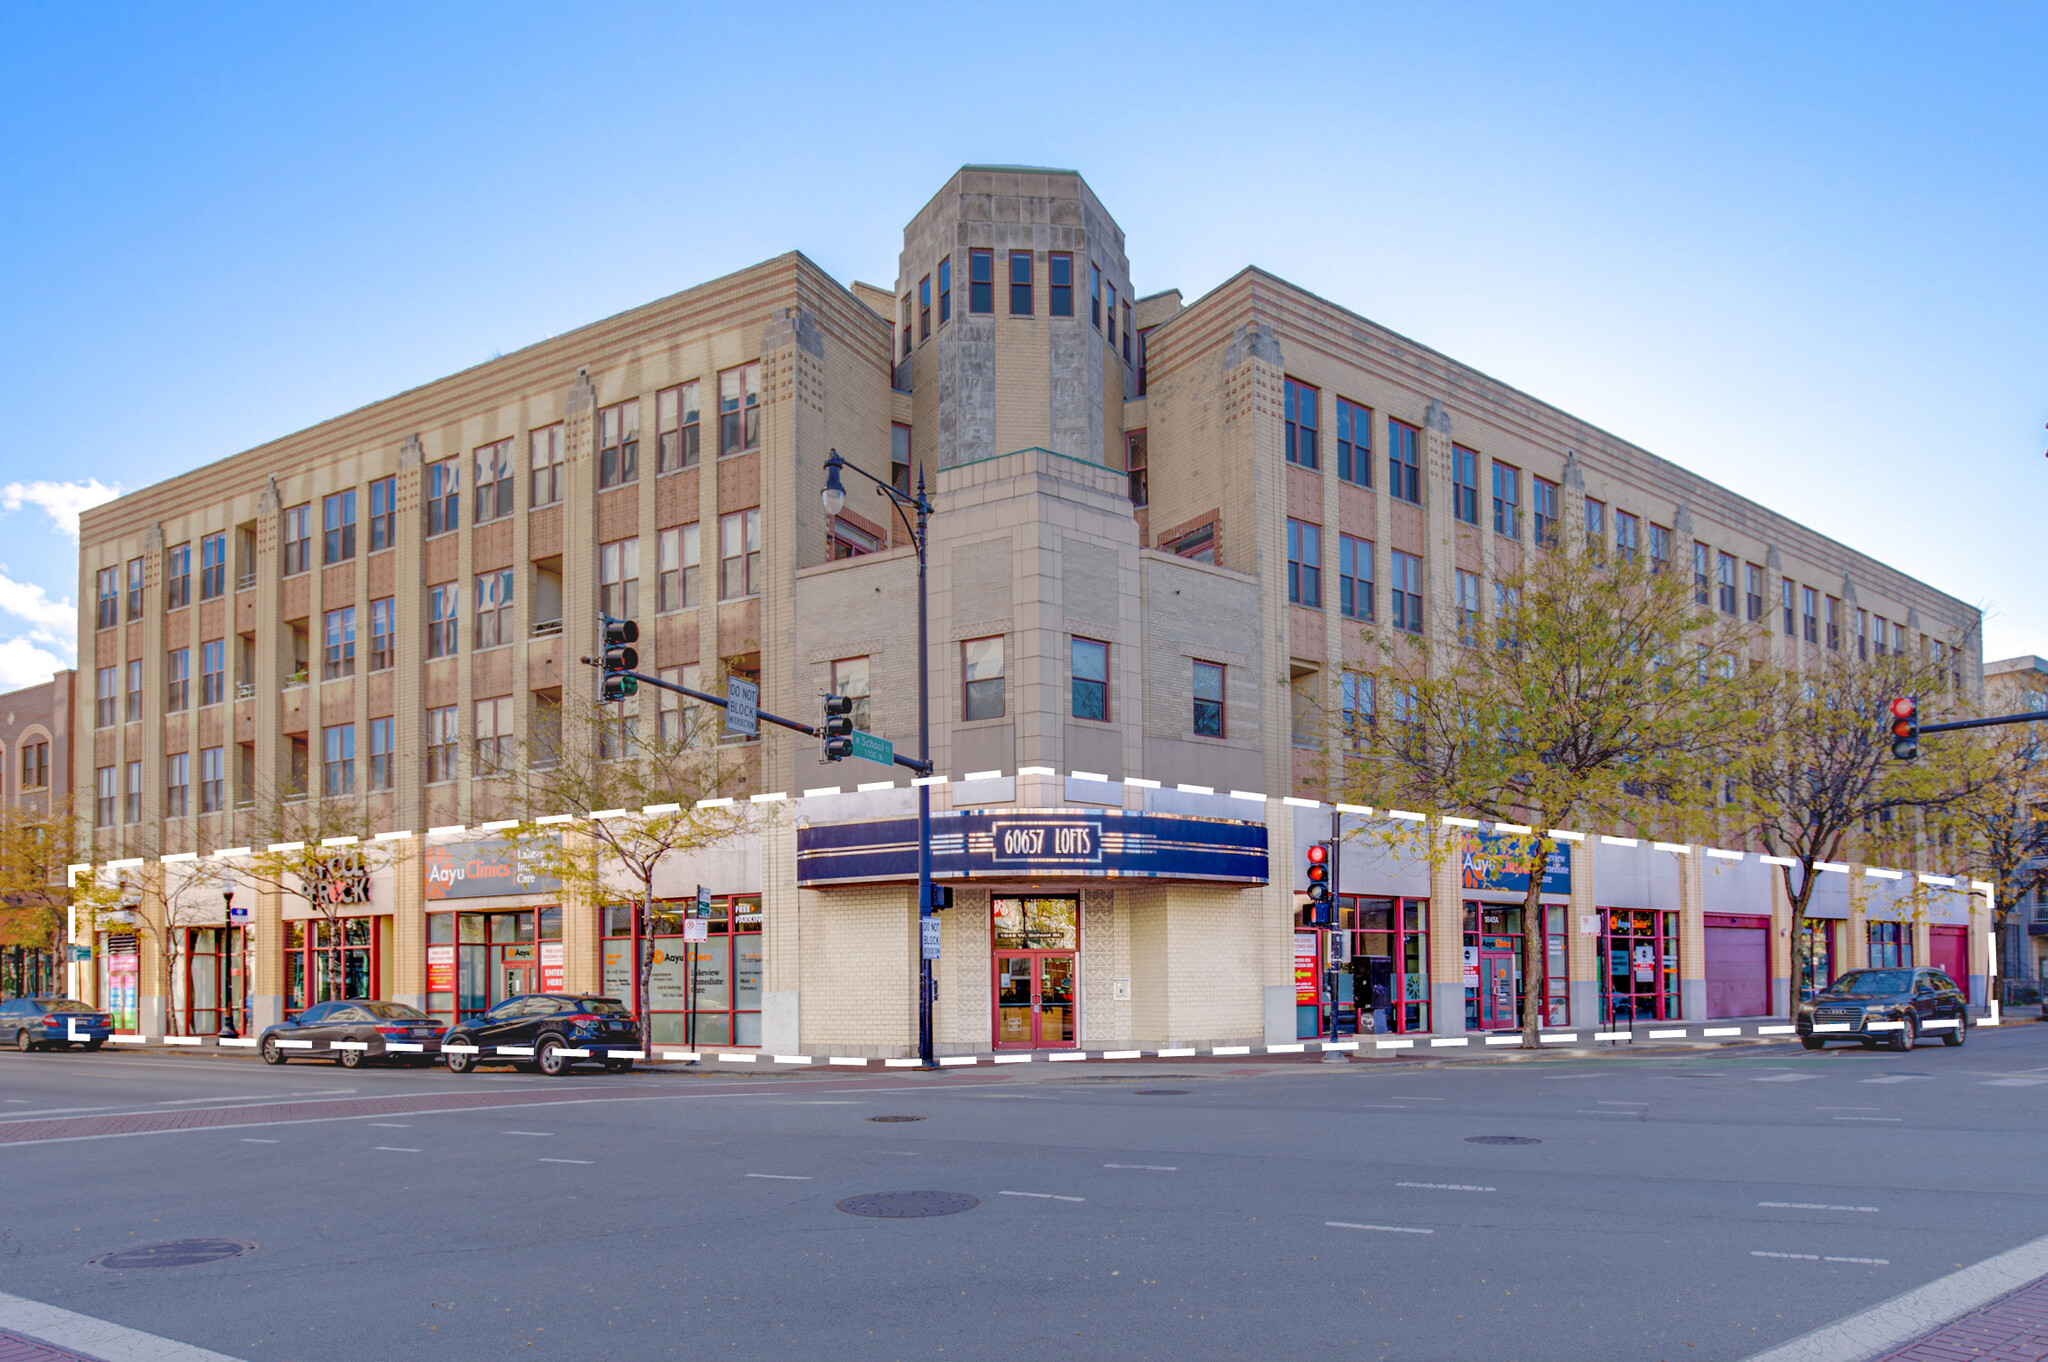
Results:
x,y
909,1205
177,1253
1502,1139
888,1119
1160,1092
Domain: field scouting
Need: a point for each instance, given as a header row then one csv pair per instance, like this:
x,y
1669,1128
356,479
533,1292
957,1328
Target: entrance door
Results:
x,y
1035,1001
1497,991
514,979
1948,950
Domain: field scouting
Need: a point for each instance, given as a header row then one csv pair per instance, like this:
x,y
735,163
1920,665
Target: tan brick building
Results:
x,y
1163,536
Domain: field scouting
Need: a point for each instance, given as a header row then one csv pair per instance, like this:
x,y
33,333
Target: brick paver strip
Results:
x,y
15,1348
2013,1328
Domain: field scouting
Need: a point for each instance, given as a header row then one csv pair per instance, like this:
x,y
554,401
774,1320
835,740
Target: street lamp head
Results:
x,y
835,491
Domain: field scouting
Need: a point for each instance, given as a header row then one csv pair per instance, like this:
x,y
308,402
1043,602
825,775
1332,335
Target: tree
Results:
x,y
35,847
2001,819
1592,694
320,850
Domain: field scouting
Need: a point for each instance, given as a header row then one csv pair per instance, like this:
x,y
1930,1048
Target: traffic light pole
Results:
x,y
1951,726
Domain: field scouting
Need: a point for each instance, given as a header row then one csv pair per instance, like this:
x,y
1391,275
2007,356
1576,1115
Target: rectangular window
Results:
x,y
844,539
675,585
1834,616
1899,640
1020,283
1304,563
899,457
618,444
213,779
739,410
1862,635
35,765
1753,591
380,754
178,576
945,290
1095,296
850,678
213,566
296,555
1127,335
1137,468
135,691
338,657
1660,549
677,426
981,678
1702,593
1507,500
106,697
1545,508
493,481
1468,607
295,769
106,794
1304,714
1891,945
213,671
1882,635
496,737
906,326
444,611
383,513
1088,660
1358,708
1464,485
136,577
1404,473
338,764
1786,592
1301,403
1354,442
338,527
177,784
383,630
981,282
441,737
1596,529
1809,607
1208,718
1404,594
495,625
1197,545
1628,531
1355,594
131,800
1059,270
544,457
924,308
1109,314
444,497
739,554
178,681
107,590
1146,335
675,726
1724,577
618,578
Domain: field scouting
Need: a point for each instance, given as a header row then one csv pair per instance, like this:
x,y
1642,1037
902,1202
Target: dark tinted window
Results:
x,y
511,1007
1871,983
348,1014
608,1007
394,1011
9,1008
316,1014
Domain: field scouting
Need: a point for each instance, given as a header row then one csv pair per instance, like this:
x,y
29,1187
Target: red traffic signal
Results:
x,y
1318,854
1904,713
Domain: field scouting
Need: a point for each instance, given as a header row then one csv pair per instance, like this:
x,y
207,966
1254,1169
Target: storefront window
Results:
x,y
699,993
477,960
1819,934
1493,967
1394,962
1891,945
1639,979
120,967
199,994
325,961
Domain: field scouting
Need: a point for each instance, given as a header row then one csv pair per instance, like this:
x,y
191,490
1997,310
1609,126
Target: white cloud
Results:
x,y
61,501
48,641
51,621
22,663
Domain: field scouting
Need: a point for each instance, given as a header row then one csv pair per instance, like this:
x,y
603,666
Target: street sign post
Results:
x,y
930,927
742,707
868,747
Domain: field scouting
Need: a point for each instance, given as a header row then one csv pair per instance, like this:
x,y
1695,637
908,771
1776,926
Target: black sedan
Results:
x,y
1888,1006
546,1031
352,1031
41,1023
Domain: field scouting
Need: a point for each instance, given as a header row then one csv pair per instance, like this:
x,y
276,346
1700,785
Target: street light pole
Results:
x,y
227,977
904,502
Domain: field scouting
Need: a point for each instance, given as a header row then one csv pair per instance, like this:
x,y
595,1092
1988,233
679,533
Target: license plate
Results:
x,y
423,1030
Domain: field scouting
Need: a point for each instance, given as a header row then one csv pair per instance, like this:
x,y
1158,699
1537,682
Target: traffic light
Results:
x,y
837,728
1317,914
1904,716
620,657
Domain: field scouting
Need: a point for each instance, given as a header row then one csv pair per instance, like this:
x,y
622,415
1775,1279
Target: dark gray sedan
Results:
x,y
354,1030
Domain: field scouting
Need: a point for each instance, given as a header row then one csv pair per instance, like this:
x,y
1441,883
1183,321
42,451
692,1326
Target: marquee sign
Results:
x,y
1497,861
341,879
482,869
1096,843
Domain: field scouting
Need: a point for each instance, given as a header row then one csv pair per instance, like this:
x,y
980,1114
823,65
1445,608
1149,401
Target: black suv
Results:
x,y
544,1030
1891,1005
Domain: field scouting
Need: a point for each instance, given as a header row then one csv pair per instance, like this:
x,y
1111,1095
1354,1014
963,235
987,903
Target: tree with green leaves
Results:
x,y
35,847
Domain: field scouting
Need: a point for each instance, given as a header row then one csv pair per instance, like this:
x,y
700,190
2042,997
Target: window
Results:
x,y
106,690
739,554
493,481
1660,549
213,566
899,457
177,784
444,609
1304,712
1596,529
1198,544
1208,689
844,539
1095,296
135,690
441,738
338,658
444,497
1304,563
677,425
981,282
178,681
213,779
618,736
981,678
1468,607
135,580
131,801
383,630
1627,537
1899,639
1700,592
675,583
1357,701
1404,595
679,727
1546,512
213,671
1809,607
178,576
1354,442
924,308
1020,283
906,326
338,527
618,578
1146,335
1464,485
496,737
1882,633
739,410
1404,474
1109,314
35,765
383,513
1059,270
1724,577
1834,613
106,791
1891,945
1355,595
850,678
1862,635
945,290
544,457
1753,591
1088,660
1786,592
380,754
1138,473
298,539
295,769
495,626
1127,334
338,769
618,444
1507,500
1301,402
107,587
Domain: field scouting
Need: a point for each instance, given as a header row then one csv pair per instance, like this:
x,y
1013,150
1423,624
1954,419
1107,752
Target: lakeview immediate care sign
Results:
x,y
482,869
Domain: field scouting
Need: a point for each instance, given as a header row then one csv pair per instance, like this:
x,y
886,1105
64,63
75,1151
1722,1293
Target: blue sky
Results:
x,y
1797,248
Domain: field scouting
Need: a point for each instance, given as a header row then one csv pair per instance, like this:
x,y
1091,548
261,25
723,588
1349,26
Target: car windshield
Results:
x,y
606,1007
1870,983
393,1011
64,1005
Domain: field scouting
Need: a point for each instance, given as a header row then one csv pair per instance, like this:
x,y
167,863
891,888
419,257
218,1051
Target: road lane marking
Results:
x,y
1384,1229
1786,1078
1384,1106
1147,1167
1820,1258
1896,1078
1448,1186
1044,1196
544,1134
1869,1118
396,1149
781,1177
1811,1206
584,1161
55,1327
250,1139
1602,1101
2013,1082
1595,1111
223,1097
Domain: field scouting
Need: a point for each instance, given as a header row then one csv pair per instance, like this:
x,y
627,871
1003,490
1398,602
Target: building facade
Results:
x,y
35,784
2014,685
1167,538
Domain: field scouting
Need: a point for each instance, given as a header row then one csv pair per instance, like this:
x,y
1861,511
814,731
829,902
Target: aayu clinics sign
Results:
x,y
1500,861
483,869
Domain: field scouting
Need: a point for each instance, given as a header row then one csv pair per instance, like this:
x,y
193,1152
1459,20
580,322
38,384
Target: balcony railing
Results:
x,y
245,690
546,628
245,581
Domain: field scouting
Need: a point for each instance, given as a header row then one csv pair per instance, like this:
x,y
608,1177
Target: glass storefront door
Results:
x,y
1639,976
1035,941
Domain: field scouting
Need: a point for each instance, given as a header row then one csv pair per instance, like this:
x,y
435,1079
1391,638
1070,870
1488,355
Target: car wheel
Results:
x,y
273,1053
349,1059
22,1042
1812,1042
1959,1034
550,1060
459,1063
1908,1032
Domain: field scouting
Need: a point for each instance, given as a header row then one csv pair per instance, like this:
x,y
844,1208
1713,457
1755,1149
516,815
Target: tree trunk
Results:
x,y
1535,956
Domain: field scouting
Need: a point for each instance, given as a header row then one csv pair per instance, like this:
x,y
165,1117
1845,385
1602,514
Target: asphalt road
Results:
x,y
1698,1205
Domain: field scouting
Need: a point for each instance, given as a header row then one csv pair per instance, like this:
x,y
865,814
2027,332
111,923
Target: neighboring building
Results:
x,y
35,780
2012,685
1163,534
